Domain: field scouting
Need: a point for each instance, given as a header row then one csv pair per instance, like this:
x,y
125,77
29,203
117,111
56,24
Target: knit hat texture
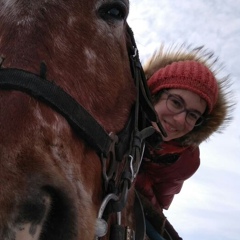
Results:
x,y
190,75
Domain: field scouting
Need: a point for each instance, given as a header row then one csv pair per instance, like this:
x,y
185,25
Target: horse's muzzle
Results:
x,y
46,214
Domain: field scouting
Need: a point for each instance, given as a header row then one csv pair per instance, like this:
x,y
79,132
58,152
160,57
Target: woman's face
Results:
x,y
176,122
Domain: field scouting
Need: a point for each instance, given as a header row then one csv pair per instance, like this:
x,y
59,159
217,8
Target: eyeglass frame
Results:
x,y
198,122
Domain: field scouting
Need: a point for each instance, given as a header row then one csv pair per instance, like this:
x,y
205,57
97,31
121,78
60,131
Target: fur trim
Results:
x,y
221,114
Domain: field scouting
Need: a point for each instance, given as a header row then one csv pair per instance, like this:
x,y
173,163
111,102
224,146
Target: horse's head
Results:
x,y
50,178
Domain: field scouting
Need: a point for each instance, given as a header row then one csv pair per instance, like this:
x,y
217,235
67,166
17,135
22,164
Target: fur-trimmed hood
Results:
x,y
220,116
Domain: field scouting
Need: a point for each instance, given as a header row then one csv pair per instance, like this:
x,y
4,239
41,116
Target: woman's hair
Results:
x,y
156,97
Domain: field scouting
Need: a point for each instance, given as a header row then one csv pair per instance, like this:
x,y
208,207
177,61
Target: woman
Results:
x,y
191,103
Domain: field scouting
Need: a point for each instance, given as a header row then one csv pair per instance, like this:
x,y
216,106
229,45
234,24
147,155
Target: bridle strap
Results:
x,y
57,98
144,92
140,218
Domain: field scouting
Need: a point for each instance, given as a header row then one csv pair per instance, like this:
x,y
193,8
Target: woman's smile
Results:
x,y
168,127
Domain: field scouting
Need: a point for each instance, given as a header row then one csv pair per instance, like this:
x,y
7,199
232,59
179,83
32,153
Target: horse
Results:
x,y
67,96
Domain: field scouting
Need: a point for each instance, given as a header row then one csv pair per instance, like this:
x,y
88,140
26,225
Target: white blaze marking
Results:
x,y
91,59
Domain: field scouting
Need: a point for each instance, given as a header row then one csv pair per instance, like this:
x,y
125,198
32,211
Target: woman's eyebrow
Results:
x,y
180,98
184,103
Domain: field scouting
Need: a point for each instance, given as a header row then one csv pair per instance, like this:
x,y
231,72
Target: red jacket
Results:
x,y
159,182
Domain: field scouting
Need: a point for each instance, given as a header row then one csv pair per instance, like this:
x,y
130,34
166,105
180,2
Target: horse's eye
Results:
x,y
113,12
116,13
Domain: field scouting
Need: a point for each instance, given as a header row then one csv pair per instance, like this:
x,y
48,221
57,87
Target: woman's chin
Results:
x,y
168,138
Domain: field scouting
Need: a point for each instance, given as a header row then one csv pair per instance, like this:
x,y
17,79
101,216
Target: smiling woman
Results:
x,y
176,104
191,103
175,117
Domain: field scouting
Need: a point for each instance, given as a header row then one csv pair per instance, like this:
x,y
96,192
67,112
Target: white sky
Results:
x,y
208,207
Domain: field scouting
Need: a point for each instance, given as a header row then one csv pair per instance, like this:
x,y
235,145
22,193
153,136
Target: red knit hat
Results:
x,y
190,75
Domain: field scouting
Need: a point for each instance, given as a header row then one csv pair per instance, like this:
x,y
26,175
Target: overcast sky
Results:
x,y
208,207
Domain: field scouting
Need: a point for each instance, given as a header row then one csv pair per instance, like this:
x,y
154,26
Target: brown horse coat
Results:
x,y
50,179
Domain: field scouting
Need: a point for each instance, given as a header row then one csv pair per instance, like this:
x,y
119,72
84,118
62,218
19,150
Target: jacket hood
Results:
x,y
220,116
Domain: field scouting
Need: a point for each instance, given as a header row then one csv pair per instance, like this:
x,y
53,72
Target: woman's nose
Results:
x,y
180,117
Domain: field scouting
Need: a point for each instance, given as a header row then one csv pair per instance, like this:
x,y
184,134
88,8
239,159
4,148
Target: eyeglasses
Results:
x,y
176,105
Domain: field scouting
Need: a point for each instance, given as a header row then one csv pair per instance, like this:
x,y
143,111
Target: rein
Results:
x,y
128,144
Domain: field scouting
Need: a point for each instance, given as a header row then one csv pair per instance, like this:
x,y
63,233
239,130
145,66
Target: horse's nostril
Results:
x,y
35,210
60,222
46,215
31,217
